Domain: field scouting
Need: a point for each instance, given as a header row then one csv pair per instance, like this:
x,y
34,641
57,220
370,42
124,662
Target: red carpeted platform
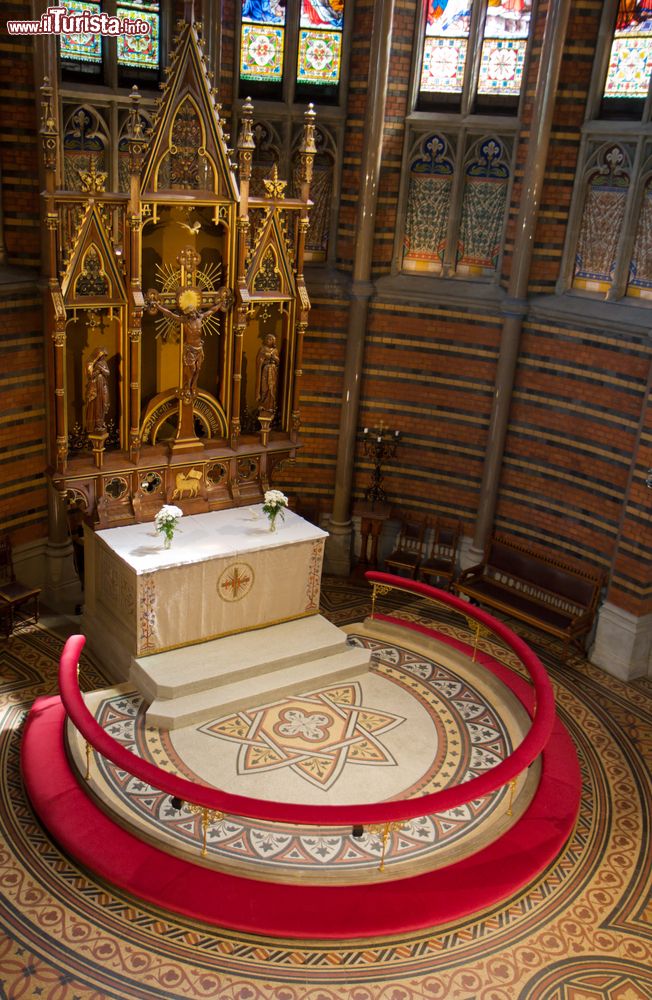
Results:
x,y
469,886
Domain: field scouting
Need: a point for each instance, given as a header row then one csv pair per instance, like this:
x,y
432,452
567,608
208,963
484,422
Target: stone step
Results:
x,y
191,669
296,679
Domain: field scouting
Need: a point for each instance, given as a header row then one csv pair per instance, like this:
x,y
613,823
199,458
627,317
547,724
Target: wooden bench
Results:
x,y
542,591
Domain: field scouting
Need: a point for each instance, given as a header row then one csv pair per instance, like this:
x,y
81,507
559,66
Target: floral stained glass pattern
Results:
x,y
630,61
445,47
319,56
261,53
506,30
84,47
262,40
139,50
320,41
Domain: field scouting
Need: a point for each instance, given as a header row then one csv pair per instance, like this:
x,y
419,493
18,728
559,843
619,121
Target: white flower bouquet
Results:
x,y
166,522
275,503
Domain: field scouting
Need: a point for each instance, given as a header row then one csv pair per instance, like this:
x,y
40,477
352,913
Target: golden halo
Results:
x,y
189,299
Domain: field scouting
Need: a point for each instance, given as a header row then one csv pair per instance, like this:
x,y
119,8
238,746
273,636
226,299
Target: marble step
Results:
x,y
298,678
191,669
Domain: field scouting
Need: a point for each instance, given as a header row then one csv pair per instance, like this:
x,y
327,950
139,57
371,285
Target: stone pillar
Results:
x,y
516,305
338,547
62,590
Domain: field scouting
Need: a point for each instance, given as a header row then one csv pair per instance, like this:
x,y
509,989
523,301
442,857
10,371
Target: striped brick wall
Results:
x,y
405,14
429,373
23,499
228,69
18,143
573,428
631,580
313,475
354,131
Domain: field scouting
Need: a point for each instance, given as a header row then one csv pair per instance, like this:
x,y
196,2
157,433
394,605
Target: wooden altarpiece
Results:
x,y
176,312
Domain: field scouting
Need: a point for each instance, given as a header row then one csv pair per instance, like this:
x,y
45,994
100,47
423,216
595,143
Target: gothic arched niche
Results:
x,y
85,144
607,179
187,164
88,331
178,227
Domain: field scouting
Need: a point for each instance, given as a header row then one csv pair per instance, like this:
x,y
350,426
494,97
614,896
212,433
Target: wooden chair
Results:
x,y
409,548
13,594
440,564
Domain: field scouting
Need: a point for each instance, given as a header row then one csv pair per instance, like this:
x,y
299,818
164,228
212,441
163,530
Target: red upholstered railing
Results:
x,y
284,812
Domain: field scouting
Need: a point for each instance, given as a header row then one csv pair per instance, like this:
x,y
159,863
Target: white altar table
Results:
x,y
225,572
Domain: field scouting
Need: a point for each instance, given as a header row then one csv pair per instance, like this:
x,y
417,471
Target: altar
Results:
x,y
224,573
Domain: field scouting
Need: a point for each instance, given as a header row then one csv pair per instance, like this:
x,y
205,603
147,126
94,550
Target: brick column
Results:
x,y
338,550
516,305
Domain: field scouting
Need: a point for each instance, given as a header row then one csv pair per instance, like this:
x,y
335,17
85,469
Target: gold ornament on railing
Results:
x,y
89,751
208,816
478,630
512,789
381,589
384,829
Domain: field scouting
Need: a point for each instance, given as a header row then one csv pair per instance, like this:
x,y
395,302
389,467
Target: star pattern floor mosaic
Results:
x,y
462,728
582,931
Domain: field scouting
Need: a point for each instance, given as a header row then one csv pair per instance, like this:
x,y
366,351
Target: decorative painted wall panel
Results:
x,y
602,219
483,209
431,178
640,268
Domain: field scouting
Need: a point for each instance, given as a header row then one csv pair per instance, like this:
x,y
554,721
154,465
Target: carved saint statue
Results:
x,y
97,392
267,363
190,317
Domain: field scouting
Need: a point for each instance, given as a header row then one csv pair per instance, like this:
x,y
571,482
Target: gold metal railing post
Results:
x,y
207,816
89,750
384,829
381,589
512,789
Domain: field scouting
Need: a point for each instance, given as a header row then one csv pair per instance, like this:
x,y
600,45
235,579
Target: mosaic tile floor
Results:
x,y
582,931
413,725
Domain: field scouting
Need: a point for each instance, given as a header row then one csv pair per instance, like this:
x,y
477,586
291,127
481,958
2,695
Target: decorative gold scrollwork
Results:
x,y
378,590
384,829
208,816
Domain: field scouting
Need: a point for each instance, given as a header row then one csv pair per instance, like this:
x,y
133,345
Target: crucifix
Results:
x,y
192,320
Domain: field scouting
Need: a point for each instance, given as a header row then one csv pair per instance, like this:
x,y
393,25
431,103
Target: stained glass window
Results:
x,y
445,46
320,41
630,61
139,50
497,29
262,40
84,47
506,29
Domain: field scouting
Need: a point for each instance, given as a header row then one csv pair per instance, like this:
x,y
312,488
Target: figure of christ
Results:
x,y
191,319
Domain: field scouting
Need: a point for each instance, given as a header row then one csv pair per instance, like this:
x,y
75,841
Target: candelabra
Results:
x,y
379,445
